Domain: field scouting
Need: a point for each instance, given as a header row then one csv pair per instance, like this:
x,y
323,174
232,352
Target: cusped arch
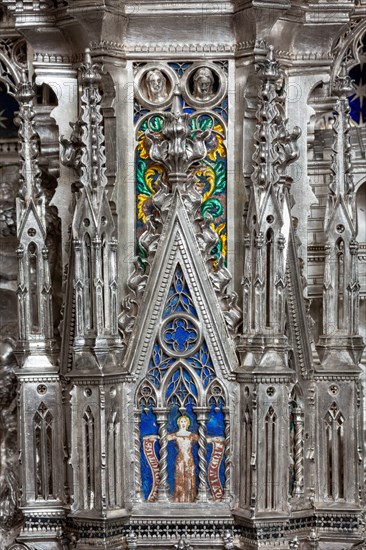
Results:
x,y
297,395
145,395
9,74
216,394
181,366
361,210
347,46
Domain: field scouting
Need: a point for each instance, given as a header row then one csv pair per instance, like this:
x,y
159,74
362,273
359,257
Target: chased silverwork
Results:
x,y
182,275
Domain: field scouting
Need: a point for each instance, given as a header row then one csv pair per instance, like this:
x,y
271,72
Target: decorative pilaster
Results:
x,y
264,344
96,409
340,346
40,419
95,246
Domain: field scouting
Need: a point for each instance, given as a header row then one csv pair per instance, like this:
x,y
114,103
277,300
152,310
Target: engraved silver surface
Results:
x,y
282,314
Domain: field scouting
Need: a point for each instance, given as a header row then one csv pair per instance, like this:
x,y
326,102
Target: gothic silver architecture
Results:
x,y
182,274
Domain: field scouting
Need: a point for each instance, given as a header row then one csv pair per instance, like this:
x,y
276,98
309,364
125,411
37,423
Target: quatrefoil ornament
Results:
x,y
180,335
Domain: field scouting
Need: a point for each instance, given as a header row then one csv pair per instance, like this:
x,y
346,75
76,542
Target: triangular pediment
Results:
x,y
84,217
105,217
31,219
340,216
178,249
270,205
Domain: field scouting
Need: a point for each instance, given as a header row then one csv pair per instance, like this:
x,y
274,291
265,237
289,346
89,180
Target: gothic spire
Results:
x,y
340,342
34,282
30,173
341,188
275,147
95,246
93,172
269,218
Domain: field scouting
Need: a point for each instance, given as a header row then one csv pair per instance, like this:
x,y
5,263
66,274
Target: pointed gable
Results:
x,y
31,222
179,284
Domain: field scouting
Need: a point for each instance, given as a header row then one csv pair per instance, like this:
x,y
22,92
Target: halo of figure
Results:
x,y
203,82
156,86
185,469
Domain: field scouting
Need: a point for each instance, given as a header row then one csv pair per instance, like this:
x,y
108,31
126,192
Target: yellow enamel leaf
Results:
x,y
142,149
209,174
222,236
151,176
220,148
141,199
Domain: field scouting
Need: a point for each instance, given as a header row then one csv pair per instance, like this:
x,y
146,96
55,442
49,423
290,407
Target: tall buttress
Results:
x,y
40,418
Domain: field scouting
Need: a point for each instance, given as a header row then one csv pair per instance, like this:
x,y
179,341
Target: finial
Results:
x,y
270,68
25,92
90,73
176,105
343,82
87,57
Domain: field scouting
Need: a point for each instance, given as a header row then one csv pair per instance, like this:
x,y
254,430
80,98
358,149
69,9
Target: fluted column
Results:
x,y
201,412
161,417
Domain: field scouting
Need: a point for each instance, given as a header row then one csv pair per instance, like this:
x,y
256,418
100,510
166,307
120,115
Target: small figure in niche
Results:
x,y
185,470
203,81
156,86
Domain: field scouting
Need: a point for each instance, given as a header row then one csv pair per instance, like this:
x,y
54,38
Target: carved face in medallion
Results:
x,y
203,81
156,86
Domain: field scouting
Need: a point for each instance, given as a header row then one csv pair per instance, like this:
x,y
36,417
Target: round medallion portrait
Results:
x,y
154,85
204,85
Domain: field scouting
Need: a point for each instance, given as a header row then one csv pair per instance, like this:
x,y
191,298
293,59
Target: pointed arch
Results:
x,y
88,280
182,386
270,426
335,452
180,248
361,213
43,448
269,275
113,453
340,279
145,395
247,445
216,394
88,453
34,279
